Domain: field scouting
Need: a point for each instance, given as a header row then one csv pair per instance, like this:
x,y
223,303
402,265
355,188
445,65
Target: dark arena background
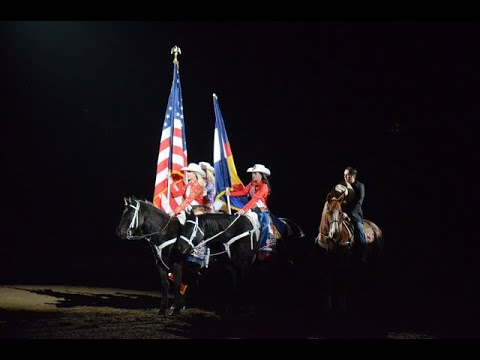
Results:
x,y
83,103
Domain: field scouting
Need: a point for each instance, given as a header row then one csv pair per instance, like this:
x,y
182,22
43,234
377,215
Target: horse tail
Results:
x,y
293,227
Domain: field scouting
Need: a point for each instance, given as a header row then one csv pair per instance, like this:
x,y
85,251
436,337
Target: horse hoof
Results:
x,y
173,311
169,312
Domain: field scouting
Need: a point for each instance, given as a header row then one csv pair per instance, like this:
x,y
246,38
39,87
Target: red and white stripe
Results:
x,y
178,155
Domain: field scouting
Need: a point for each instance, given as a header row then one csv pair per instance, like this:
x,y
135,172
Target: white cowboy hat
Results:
x,y
206,166
342,189
195,168
259,168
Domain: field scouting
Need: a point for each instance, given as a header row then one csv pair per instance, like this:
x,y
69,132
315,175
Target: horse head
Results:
x,y
141,219
332,229
333,217
132,218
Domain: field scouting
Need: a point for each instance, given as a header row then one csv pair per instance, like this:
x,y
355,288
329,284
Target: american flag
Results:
x,y
172,155
225,170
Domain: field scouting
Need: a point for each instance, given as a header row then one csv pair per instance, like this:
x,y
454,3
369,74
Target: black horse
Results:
x,y
228,245
142,220
231,243
293,246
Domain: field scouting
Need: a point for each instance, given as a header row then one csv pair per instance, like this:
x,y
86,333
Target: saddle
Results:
x,y
199,210
349,226
367,229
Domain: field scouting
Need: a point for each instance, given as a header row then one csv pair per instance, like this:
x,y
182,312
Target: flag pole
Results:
x,y
169,184
175,51
225,171
228,205
172,155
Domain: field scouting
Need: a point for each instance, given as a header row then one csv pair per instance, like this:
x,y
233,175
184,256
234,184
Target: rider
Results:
x,y
209,178
193,192
194,200
258,191
354,192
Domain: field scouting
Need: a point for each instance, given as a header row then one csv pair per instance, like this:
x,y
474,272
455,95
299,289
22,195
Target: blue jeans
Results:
x,y
264,219
360,233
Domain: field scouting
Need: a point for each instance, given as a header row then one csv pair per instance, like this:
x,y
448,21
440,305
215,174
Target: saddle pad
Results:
x,y
253,217
369,235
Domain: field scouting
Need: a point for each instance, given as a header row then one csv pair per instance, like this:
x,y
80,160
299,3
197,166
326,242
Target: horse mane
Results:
x,y
323,218
151,206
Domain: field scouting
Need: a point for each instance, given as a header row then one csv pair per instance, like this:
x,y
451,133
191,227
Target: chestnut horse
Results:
x,y
341,256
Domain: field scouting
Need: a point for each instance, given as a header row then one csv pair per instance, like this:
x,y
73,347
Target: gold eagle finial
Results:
x,y
175,51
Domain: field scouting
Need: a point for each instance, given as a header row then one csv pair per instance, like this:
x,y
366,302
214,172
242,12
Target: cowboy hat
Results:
x,y
341,189
345,189
194,168
206,166
259,168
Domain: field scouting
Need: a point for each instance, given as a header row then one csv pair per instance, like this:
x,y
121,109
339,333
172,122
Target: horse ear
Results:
x,y
340,198
125,200
329,196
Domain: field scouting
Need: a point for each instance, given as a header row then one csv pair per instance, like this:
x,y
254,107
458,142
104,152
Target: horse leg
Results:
x,y
340,283
164,290
329,302
342,303
226,296
179,299
244,289
328,291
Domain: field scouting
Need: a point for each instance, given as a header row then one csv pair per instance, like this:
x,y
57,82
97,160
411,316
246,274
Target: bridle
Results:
x,y
134,225
332,226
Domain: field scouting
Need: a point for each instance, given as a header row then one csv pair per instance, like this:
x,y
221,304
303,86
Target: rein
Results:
x,y
134,225
160,248
226,245
218,234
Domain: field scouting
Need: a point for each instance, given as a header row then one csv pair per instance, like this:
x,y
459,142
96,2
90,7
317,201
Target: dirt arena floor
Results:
x,y
66,312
